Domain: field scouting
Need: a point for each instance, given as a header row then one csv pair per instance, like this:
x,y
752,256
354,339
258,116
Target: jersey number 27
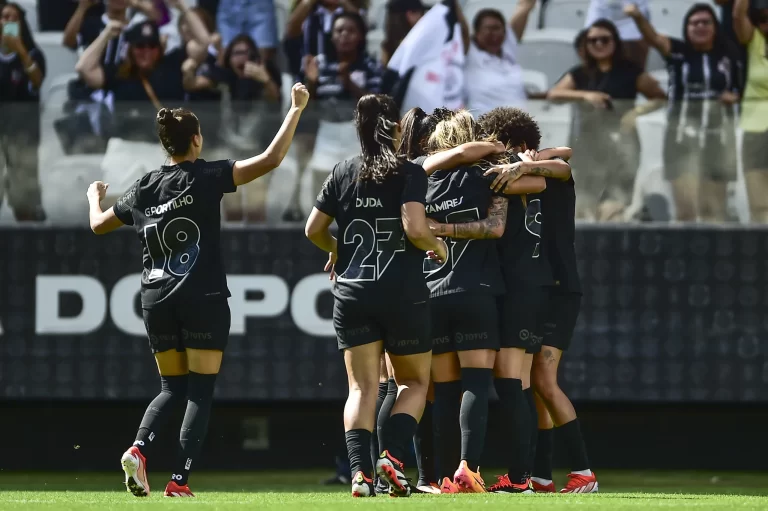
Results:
x,y
387,240
177,249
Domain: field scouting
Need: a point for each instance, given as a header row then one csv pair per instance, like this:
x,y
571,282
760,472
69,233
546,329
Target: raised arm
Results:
x,y
147,7
520,17
102,222
89,65
246,171
462,155
293,28
196,26
744,28
490,227
75,23
658,41
466,36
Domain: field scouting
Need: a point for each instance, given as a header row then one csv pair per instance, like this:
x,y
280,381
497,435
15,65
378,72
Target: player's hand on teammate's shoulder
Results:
x,y
299,96
97,191
507,173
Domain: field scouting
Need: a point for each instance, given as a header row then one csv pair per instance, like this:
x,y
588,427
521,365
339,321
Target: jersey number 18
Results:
x,y
177,249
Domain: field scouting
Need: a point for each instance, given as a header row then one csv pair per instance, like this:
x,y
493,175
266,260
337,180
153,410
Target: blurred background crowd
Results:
x,y
665,102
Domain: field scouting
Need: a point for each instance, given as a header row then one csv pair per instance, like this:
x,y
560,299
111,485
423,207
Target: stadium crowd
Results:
x,y
232,59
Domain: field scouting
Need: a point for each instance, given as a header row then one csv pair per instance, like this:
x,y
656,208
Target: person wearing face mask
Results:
x,y
22,70
751,27
700,141
605,141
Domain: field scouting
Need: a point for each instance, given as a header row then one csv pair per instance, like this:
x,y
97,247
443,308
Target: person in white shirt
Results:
x,y
493,75
635,47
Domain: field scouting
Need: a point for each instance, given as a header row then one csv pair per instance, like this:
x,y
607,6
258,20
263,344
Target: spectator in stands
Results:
x,y
256,18
82,30
580,45
402,15
752,31
146,77
603,135
635,47
336,80
197,29
310,26
496,76
700,142
22,70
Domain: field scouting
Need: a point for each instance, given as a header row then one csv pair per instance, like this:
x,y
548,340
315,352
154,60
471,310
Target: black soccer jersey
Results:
x,y
176,213
521,251
559,232
460,196
376,261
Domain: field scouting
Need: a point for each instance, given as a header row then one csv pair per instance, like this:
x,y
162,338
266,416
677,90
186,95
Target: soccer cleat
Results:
x,y
543,485
362,486
447,486
174,490
390,470
381,486
431,488
578,483
504,485
468,481
135,467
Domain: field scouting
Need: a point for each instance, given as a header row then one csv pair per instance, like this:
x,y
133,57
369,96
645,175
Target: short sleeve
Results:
x,y
225,175
125,205
328,199
677,49
419,160
415,189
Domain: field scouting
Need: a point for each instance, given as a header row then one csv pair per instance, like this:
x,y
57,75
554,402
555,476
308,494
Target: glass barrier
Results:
x,y
629,166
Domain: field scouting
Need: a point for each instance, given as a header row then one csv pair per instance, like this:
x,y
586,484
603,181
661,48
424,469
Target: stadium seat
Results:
x,y
535,81
549,51
554,121
570,14
30,7
58,59
667,16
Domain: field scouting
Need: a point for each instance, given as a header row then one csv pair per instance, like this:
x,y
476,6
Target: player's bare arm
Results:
x,y
464,154
491,227
102,222
551,153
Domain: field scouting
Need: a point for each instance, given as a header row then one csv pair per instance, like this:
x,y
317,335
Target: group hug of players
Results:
x,y
455,257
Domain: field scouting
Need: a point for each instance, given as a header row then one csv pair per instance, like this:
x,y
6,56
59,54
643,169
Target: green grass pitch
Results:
x,y
299,490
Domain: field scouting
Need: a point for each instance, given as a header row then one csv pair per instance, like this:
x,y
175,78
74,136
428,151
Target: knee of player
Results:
x,y
175,386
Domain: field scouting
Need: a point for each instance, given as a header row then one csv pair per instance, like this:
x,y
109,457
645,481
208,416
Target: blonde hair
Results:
x,y
460,129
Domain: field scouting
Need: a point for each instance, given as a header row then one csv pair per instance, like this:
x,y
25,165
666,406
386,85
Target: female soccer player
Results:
x,y
560,308
176,213
381,298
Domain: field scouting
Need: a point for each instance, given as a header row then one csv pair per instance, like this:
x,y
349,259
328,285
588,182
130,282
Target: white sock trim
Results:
x,y
586,473
543,482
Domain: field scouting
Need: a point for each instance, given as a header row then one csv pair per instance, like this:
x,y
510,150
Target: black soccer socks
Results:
x,y
574,442
359,460
423,446
397,435
473,418
195,425
173,392
542,465
375,451
386,409
516,420
533,430
445,415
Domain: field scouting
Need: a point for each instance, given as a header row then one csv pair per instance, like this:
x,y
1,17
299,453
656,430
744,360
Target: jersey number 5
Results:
x,y
458,246
387,240
177,248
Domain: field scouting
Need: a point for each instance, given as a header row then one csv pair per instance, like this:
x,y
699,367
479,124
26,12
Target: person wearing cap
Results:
x,y
402,15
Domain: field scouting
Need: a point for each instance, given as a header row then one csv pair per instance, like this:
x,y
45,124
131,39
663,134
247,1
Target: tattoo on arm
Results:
x,y
538,171
483,229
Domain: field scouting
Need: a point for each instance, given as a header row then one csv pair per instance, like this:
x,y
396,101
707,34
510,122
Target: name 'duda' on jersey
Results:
x,y
456,247
368,202
533,223
386,240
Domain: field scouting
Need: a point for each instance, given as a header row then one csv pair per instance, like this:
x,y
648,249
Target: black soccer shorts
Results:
x,y
403,326
463,322
201,325
521,317
561,315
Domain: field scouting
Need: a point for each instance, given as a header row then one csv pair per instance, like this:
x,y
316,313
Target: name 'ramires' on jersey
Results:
x,y
176,214
375,258
460,196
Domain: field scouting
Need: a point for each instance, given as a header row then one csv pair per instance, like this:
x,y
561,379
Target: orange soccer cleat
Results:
x,y
468,481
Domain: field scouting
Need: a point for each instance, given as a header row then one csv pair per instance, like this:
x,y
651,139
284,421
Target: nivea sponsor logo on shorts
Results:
x,y
178,202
